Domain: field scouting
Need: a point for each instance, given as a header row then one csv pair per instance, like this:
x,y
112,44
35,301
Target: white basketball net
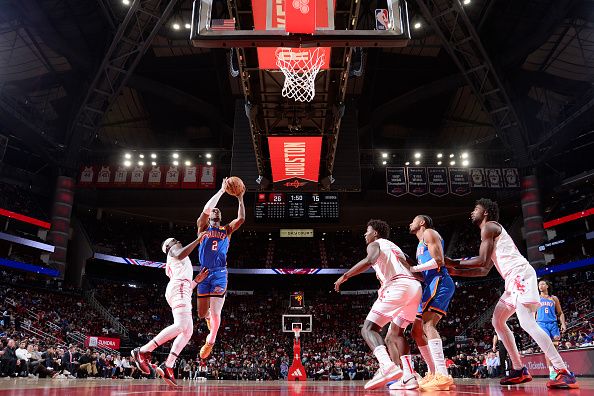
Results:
x,y
300,70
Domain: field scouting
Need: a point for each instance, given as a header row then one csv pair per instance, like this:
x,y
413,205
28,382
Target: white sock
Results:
x,y
381,353
407,365
436,349
426,354
551,369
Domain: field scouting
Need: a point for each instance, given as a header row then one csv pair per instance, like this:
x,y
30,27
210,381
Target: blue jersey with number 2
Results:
x,y
214,247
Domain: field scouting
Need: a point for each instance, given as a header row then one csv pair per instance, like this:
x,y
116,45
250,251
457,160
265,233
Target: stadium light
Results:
x,y
417,25
175,155
127,155
407,163
208,163
140,163
176,163
153,163
438,162
465,163
208,155
452,163
176,26
417,162
466,2
187,26
141,156
384,155
417,155
126,2
127,163
439,155
384,162
451,155
188,163
464,155
153,155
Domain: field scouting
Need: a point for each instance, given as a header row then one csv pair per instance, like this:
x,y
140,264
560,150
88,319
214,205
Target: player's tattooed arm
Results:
x,y
373,252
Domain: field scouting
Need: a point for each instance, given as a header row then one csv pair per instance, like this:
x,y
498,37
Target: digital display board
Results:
x,y
304,207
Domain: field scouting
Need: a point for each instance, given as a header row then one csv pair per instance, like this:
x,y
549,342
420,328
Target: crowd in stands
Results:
x,y
23,201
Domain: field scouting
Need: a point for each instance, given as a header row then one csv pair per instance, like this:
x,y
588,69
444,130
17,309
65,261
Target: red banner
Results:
x,y
279,14
580,361
102,342
295,157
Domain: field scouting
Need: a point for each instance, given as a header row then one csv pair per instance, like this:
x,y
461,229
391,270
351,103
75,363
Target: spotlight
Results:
x,y
126,2
439,155
208,155
384,162
464,155
153,163
176,26
140,163
384,155
153,155
417,162
438,162
187,163
417,155
451,155
127,155
187,26
141,156
127,163
466,2
176,163
208,163
175,155
417,25
452,163
465,163
407,163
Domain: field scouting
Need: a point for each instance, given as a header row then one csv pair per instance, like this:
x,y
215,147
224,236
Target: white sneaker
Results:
x,y
383,376
405,384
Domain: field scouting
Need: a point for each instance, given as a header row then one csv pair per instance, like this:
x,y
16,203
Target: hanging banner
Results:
x,y
120,178
87,175
154,177
137,177
477,178
494,177
417,181
459,181
104,176
396,182
438,181
294,157
172,177
207,177
190,177
511,177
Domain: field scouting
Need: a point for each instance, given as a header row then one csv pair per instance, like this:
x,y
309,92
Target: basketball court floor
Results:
x,y
94,387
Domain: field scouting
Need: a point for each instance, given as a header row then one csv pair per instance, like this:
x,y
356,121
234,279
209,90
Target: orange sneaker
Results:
x,y
206,350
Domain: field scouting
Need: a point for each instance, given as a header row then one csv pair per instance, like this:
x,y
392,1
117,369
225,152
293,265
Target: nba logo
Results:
x,y
381,19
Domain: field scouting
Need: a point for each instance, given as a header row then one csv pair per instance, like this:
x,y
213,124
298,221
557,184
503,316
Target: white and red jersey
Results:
x,y
179,289
179,270
506,256
388,267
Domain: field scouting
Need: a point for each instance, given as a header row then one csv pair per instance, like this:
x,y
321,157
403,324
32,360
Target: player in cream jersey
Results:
x,y
520,296
178,294
398,299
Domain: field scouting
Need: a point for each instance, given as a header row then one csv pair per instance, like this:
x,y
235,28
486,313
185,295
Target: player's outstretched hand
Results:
x,y
339,282
201,275
224,185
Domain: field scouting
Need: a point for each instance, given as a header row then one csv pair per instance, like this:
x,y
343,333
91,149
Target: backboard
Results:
x,y
303,321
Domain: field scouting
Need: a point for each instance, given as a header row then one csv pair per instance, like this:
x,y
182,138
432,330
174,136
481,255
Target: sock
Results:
x,y
426,354
381,353
407,366
149,346
436,349
171,358
551,369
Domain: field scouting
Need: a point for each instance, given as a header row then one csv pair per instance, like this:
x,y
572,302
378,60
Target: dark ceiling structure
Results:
x,y
89,79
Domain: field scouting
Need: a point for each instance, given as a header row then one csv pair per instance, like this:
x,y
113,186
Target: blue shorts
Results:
x,y
437,295
215,284
551,329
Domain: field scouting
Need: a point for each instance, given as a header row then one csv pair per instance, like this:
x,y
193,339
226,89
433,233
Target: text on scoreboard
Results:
x,y
297,206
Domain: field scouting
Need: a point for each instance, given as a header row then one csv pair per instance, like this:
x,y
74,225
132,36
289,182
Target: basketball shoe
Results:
x,y
438,382
516,377
166,373
408,383
428,377
142,359
564,380
206,350
383,376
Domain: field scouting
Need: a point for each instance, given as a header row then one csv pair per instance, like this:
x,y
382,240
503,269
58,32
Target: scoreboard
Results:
x,y
304,207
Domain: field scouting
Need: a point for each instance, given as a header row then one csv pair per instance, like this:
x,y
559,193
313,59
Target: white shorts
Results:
x,y
521,287
397,303
179,296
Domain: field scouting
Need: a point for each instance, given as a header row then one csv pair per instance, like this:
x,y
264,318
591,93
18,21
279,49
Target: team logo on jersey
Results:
x,y
520,284
295,183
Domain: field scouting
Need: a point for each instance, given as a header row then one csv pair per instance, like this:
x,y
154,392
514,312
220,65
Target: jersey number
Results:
x,y
546,310
215,245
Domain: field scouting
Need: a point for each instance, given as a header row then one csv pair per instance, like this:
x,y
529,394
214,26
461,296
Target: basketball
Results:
x,y
235,186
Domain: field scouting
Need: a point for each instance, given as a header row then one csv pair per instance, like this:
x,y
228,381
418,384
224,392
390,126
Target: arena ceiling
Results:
x,y
179,96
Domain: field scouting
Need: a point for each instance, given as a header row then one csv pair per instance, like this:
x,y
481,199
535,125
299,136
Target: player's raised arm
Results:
x,y
373,252
183,252
235,224
202,221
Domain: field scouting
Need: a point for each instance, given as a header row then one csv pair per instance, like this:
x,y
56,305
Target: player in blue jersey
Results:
x,y
438,289
214,245
546,317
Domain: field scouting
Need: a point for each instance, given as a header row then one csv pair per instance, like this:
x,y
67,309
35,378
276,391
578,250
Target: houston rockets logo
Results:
x,y
520,285
301,5
295,183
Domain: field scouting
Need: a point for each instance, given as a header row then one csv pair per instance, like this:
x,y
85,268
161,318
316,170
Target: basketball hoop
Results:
x,y
297,331
300,69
